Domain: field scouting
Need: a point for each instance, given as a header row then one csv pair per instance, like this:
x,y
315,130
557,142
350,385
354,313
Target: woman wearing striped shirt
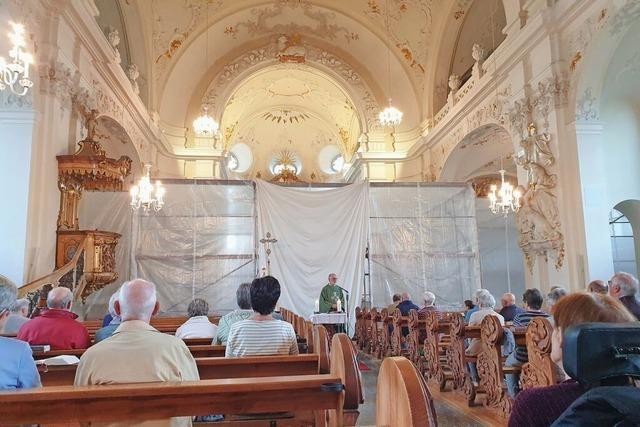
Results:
x,y
261,334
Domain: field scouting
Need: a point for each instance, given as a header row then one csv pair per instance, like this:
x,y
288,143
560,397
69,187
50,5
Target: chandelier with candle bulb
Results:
x,y
205,125
145,195
504,200
390,116
15,74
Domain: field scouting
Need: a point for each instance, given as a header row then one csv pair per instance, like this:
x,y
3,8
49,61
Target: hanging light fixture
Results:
x,y
390,116
504,200
205,125
15,75
145,195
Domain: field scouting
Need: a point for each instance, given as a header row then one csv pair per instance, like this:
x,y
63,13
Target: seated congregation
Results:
x,y
539,363
245,365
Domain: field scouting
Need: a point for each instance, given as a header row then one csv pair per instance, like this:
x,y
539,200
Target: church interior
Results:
x,y
335,212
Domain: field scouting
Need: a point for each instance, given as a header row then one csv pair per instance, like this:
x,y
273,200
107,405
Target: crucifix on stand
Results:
x,y
267,241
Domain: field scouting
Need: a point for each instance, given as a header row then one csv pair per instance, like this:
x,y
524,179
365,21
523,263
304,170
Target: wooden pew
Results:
x,y
139,402
415,339
398,341
384,335
196,351
357,336
435,346
403,398
491,367
213,368
539,371
458,360
371,322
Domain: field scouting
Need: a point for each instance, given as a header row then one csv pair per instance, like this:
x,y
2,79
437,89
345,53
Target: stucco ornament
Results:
x,y
454,82
538,219
114,40
289,50
134,73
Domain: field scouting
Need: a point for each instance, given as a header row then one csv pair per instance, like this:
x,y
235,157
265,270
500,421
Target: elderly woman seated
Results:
x,y
541,406
198,325
486,303
261,334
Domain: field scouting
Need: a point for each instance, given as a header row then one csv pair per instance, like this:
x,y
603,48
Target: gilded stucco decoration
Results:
x,y
409,36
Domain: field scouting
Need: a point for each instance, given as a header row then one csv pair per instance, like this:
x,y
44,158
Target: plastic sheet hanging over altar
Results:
x,y
423,238
203,243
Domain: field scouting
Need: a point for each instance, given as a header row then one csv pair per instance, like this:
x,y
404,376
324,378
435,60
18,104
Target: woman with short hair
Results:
x,y
261,334
198,325
541,406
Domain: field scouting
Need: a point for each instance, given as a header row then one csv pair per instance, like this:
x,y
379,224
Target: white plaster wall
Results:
x,y
16,127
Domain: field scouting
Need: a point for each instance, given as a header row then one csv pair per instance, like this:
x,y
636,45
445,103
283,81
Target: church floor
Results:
x,y
449,413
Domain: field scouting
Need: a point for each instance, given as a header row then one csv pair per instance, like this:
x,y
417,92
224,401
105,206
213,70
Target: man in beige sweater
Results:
x,y
137,352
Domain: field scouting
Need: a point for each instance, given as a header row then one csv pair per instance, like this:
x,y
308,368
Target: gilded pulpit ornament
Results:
x,y
538,219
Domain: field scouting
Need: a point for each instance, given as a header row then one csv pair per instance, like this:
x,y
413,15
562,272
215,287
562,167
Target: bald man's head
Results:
x,y
508,299
60,298
406,296
137,301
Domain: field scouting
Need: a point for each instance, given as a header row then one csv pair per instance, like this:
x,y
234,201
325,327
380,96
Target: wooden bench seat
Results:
x,y
138,402
196,351
213,368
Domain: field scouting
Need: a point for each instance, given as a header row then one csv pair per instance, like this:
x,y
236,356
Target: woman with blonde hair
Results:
x,y
541,406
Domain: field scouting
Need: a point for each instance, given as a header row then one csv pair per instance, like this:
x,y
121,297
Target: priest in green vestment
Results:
x,y
330,295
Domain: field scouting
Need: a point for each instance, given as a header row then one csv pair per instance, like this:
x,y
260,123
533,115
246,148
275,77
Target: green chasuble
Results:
x,y
329,296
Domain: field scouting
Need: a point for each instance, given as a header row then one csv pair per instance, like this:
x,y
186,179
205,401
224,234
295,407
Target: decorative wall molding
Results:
x,y
269,54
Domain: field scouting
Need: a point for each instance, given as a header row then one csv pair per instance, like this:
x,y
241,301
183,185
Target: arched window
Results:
x,y
622,243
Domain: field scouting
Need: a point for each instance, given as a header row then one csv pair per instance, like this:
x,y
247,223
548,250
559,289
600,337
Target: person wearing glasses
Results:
x,y
625,287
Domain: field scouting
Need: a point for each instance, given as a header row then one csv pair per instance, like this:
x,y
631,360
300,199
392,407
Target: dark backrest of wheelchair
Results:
x,y
589,351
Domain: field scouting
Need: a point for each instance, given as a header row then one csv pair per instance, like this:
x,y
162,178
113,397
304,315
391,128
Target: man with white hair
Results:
x,y
19,316
17,368
57,325
467,315
429,301
137,352
625,287
106,331
509,308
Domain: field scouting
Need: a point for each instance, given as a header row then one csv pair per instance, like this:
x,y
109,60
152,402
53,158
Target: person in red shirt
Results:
x,y
56,326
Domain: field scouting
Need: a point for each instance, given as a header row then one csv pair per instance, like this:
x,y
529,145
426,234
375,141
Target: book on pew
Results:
x,y
59,360
41,348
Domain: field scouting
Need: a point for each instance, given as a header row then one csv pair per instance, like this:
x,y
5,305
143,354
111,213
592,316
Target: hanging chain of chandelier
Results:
x,y
145,195
15,74
390,116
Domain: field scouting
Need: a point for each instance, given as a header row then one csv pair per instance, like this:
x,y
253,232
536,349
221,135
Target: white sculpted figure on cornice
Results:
x,y
114,40
587,107
134,73
538,219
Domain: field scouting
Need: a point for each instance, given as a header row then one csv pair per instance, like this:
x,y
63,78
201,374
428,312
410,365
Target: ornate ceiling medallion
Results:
x,y
285,116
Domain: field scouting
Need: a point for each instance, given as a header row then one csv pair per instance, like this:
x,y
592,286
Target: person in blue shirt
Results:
x,y
17,369
405,306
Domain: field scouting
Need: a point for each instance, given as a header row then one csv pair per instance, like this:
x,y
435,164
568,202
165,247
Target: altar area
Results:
x,y
379,238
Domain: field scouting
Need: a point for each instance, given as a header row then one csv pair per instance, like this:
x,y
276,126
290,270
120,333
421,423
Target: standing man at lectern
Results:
x,y
330,295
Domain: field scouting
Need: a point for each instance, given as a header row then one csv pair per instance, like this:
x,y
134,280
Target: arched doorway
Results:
x,y
624,226
476,160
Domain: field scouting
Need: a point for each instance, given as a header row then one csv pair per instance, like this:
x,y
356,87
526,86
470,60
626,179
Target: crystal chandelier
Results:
x,y
205,125
142,195
15,75
504,200
390,116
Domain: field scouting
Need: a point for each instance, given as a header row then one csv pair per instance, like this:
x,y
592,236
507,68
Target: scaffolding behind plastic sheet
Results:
x,y
203,243
423,237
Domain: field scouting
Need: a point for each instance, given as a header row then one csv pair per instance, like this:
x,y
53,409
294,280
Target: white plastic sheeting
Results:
x,y
318,232
203,243
423,237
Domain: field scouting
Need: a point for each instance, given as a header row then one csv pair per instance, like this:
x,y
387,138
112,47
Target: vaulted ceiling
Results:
x,y
352,56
